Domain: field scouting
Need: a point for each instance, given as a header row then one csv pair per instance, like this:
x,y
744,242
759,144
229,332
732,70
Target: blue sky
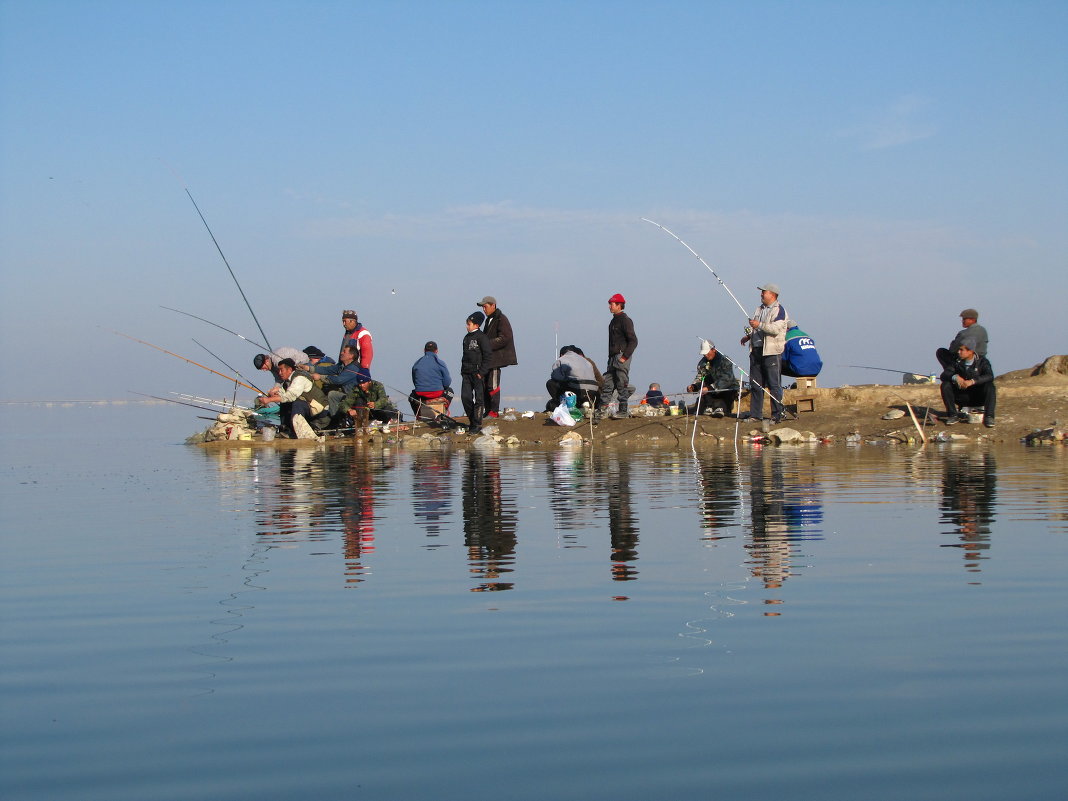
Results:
x,y
887,164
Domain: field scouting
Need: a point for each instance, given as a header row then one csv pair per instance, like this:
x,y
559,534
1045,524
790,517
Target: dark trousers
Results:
x,y
713,399
984,395
765,372
556,390
491,381
301,407
945,357
473,398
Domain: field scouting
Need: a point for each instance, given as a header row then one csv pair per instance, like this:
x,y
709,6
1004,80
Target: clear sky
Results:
x,y
887,164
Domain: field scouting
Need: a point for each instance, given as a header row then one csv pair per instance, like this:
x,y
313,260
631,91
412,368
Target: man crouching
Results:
x,y
969,381
301,403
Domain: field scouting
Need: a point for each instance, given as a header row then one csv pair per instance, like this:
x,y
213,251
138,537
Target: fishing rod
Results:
x,y
424,405
172,400
223,328
695,253
751,382
184,359
249,305
231,369
887,370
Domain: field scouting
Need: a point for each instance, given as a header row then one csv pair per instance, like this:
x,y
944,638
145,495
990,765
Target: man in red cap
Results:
x,y
621,344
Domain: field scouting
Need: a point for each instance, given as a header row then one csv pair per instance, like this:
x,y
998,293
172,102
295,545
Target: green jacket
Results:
x,y
718,373
375,394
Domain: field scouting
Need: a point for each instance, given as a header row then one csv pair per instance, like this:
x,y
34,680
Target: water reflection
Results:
x,y
432,493
720,495
490,522
785,509
969,494
622,520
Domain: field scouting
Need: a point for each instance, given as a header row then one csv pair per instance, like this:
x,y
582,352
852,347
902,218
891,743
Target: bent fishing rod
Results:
x,y
695,253
228,267
231,369
184,359
222,328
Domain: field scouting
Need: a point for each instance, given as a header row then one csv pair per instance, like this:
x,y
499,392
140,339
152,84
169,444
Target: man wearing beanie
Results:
x,y
622,342
969,319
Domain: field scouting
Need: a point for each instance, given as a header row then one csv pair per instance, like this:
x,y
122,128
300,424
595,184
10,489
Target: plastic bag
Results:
x,y
562,415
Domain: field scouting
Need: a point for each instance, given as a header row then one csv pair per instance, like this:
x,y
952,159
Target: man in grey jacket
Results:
x,y
766,338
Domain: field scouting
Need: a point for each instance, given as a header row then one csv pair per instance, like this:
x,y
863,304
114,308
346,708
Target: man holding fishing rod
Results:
x,y
715,381
766,337
300,401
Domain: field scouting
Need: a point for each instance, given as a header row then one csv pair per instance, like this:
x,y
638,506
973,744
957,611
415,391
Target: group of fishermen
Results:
x,y
317,393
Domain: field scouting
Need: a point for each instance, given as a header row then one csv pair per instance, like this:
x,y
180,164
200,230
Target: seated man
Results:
x,y
300,402
572,372
269,361
368,400
969,381
433,391
338,379
715,381
654,397
970,329
800,357
316,358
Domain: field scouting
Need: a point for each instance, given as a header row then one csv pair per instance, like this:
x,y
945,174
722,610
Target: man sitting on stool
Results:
x,y
969,381
715,381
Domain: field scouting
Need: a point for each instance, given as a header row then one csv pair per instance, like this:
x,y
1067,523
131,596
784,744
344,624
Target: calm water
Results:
x,y
844,623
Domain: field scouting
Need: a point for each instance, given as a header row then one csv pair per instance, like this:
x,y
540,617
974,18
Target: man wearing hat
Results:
x,y
432,384
969,319
368,400
356,334
499,332
969,381
715,381
622,342
338,379
766,337
316,358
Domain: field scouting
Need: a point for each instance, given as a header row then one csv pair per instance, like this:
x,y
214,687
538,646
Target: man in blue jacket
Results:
x,y
339,379
432,382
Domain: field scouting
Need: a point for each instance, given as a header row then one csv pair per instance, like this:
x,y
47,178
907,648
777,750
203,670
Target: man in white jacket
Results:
x,y
767,341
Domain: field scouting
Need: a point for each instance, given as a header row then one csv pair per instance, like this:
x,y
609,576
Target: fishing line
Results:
x,y
231,369
184,359
227,330
708,267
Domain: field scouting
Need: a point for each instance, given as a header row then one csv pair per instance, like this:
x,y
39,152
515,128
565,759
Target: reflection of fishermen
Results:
x,y
969,490
490,523
573,372
622,522
357,504
719,494
715,381
969,381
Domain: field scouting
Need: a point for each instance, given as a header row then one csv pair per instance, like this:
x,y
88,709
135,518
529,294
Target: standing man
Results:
x,y
767,341
622,342
499,332
356,334
477,352
969,319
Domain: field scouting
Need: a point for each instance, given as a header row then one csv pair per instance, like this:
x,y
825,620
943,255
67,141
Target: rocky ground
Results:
x,y
1032,403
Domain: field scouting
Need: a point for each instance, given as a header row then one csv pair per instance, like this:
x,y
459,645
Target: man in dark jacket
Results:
x,y
477,353
715,382
969,381
338,379
622,342
499,332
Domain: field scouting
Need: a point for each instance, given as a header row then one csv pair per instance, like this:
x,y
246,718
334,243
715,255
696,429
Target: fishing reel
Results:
x,y
748,330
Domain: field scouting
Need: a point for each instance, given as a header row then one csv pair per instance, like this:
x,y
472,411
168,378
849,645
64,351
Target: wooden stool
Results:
x,y
806,402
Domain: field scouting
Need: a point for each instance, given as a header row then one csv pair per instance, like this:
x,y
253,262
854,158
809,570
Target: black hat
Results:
x,y
259,360
476,318
313,352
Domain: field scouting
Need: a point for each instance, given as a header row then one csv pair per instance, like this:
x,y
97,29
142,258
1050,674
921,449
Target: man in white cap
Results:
x,y
766,337
715,382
